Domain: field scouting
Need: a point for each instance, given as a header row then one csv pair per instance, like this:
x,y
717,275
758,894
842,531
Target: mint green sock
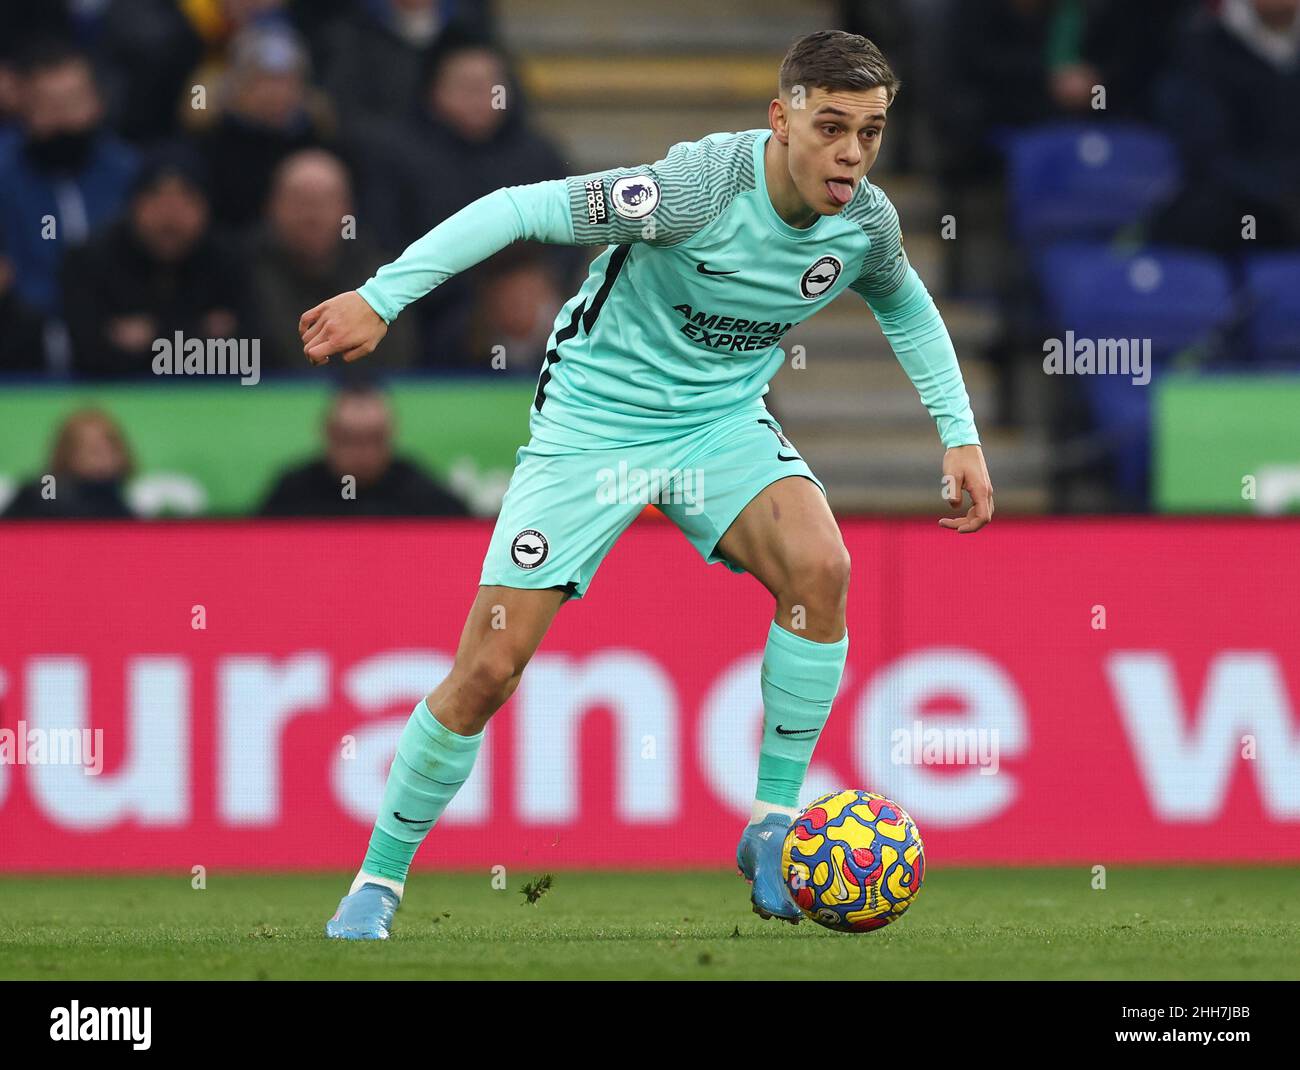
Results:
x,y
799,680
432,763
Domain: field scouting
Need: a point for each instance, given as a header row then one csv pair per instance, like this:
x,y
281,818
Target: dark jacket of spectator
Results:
x,y
115,281
98,499
149,49
403,490
1128,46
994,74
1236,117
372,59
80,185
22,347
241,157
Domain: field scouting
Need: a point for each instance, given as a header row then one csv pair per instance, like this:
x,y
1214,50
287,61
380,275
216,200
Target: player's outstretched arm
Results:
x,y
352,324
920,340
603,208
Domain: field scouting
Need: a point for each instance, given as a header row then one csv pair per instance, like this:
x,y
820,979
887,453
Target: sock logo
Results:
x,y
781,730
411,820
529,548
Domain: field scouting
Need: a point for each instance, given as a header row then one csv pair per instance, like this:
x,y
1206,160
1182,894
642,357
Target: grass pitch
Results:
x,y
1150,923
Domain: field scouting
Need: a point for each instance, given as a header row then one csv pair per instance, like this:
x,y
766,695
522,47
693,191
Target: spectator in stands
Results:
x,y
1118,45
267,111
150,50
515,307
359,475
63,177
309,249
155,52
158,270
88,469
469,131
994,72
22,347
1232,102
373,57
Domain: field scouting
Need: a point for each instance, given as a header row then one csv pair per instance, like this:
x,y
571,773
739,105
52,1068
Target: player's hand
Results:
x,y
345,325
964,470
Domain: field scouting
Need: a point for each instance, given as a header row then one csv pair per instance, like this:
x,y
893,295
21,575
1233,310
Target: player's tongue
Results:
x,y
841,192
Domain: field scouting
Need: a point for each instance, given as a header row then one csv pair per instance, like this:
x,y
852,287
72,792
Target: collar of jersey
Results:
x,y
768,211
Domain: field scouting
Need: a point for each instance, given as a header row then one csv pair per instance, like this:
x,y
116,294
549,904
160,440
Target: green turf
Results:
x,y
967,923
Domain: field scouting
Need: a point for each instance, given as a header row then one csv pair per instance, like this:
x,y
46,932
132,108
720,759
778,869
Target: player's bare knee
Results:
x,y
837,564
493,673
819,579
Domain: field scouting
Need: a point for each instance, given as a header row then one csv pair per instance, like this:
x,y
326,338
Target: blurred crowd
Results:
x,y
1220,77
216,167
357,471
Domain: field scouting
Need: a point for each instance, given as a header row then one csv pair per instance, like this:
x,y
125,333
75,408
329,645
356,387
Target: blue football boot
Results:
x,y
759,858
366,914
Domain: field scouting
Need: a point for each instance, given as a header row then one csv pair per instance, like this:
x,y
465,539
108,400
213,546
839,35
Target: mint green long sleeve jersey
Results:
x,y
680,319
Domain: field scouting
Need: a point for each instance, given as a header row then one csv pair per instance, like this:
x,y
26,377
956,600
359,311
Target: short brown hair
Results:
x,y
833,59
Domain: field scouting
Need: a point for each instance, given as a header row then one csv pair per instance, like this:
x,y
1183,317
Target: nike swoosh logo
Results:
x,y
411,820
705,271
781,731
795,458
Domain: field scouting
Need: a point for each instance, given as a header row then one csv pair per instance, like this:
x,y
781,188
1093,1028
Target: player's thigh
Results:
x,y
788,539
507,624
558,519
757,507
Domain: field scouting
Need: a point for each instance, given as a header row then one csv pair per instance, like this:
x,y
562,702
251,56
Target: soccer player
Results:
x,y
660,362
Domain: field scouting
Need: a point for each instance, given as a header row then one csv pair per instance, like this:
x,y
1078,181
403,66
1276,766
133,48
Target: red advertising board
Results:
x,y
1092,691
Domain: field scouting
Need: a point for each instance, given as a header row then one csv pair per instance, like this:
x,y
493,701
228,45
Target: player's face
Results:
x,y
833,138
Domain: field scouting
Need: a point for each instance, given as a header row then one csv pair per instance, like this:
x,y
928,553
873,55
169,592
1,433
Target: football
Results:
x,y
853,861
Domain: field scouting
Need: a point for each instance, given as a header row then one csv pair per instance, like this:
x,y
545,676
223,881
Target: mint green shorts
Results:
x,y
565,508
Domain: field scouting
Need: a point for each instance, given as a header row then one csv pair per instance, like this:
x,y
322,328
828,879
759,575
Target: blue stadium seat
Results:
x,y
1071,181
1176,299
1273,288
